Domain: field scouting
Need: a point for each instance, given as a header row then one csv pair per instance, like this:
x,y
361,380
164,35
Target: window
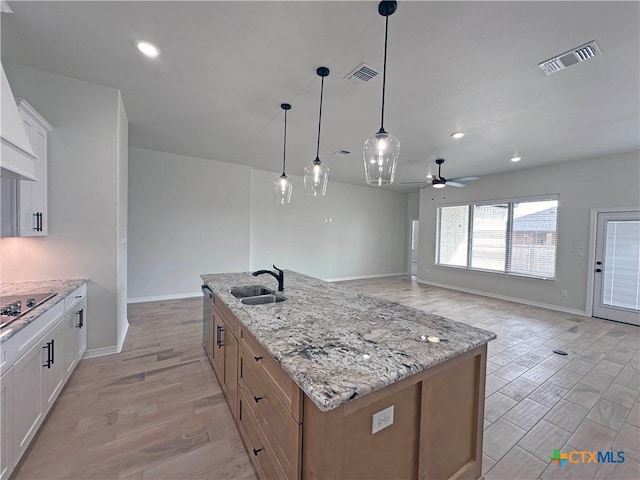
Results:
x,y
516,236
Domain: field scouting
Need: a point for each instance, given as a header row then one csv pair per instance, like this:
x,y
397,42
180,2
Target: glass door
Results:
x,y
616,293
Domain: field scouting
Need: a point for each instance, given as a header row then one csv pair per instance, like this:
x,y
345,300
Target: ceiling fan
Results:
x,y
438,181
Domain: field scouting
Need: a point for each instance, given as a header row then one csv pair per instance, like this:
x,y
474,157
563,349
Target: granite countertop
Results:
x,y
338,344
62,288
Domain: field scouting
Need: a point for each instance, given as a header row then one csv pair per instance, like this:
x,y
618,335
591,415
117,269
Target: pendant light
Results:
x,y
283,186
316,174
381,151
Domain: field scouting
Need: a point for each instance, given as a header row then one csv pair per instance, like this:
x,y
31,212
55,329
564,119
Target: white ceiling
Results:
x,y
215,91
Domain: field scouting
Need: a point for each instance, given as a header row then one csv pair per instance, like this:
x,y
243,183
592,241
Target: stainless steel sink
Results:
x,y
263,299
250,291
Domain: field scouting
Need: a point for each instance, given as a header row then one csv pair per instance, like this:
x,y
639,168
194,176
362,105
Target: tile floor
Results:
x,y
156,411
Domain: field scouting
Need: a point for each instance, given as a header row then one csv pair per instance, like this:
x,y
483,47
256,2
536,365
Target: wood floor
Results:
x,y
155,411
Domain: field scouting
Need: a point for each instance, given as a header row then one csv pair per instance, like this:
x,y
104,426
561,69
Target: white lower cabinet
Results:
x,y
30,386
52,380
27,395
80,317
75,337
6,424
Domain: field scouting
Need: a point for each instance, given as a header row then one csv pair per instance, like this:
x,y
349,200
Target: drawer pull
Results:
x,y
219,329
258,358
78,296
257,399
256,451
80,314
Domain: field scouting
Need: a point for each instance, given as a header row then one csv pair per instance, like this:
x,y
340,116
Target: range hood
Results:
x,y
16,153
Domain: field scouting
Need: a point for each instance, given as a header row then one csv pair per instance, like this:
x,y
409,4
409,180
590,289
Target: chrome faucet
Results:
x,y
279,276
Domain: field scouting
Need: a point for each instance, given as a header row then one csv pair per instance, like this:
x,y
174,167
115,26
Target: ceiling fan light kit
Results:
x,y
381,151
283,186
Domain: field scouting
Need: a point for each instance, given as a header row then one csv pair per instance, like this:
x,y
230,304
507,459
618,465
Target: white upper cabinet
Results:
x,y
33,218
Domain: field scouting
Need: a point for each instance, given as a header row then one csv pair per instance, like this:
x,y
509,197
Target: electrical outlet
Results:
x,y
564,293
382,419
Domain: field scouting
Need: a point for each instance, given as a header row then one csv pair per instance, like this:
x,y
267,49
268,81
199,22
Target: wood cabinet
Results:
x,y
436,431
225,352
270,412
36,363
33,216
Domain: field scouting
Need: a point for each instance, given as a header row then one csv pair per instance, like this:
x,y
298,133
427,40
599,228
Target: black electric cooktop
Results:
x,y
12,307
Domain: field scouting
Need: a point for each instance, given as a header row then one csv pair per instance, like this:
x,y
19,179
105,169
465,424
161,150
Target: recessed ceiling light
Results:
x,y
148,49
457,134
516,159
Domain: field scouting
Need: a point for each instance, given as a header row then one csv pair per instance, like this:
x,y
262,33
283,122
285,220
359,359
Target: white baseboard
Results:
x,y
100,352
548,306
123,336
173,296
362,277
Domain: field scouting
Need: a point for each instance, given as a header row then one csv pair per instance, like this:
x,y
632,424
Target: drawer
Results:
x,y
75,297
219,308
281,429
16,346
280,382
257,445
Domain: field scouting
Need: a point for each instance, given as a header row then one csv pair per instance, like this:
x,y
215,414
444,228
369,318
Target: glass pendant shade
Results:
x,y
381,151
316,176
282,189
380,154
282,185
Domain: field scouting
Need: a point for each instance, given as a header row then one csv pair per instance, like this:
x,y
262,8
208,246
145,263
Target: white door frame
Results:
x,y
592,250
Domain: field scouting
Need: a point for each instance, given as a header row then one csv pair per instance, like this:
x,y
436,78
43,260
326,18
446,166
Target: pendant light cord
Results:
x,y
284,149
384,70
320,120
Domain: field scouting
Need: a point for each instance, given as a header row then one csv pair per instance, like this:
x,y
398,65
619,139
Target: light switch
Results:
x,y
382,419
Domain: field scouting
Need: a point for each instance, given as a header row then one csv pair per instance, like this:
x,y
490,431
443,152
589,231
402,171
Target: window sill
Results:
x,y
493,272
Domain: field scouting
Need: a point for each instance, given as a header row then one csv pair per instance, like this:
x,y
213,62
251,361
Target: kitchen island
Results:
x,y
310,379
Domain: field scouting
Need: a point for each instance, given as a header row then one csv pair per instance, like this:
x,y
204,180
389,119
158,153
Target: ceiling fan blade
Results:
x,y
454,184
464,179
408,183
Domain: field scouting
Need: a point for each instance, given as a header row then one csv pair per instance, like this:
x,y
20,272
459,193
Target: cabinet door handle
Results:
x,y
256,451
53,355
49,361
219,336
257,399
41,222
257,358
598,270
80,314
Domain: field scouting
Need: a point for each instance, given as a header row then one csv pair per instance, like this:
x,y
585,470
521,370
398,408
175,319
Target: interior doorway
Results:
x,y
413,258
616,282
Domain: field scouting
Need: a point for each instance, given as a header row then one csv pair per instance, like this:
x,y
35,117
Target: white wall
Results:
x,y
121,234
353,231
187,216
82,177
582,185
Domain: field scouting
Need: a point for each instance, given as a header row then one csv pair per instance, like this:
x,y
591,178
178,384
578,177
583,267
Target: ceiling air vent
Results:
x,y
576,55
362,74
342,152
